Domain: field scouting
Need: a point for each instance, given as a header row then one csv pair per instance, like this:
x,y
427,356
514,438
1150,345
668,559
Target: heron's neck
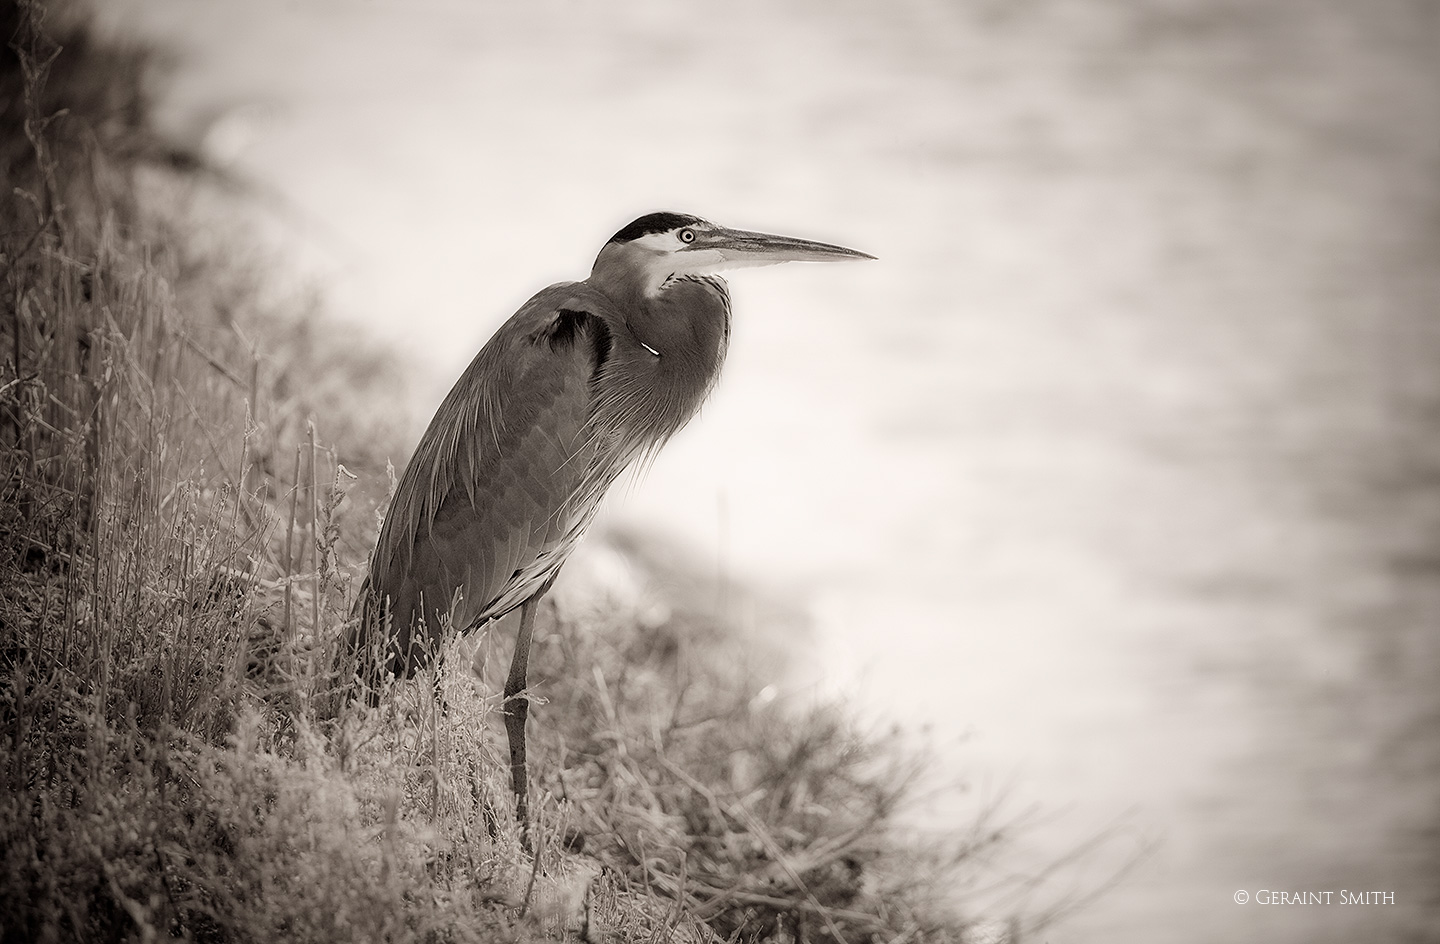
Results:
x,y
683,322
674,340
626,272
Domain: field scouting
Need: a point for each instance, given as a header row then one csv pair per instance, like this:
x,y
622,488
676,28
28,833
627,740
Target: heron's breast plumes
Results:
x,y
665,360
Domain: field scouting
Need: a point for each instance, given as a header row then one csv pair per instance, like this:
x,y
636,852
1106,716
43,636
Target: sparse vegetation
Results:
x,y
189,468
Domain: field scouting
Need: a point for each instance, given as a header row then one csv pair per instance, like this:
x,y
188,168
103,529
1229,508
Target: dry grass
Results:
x,y
179,538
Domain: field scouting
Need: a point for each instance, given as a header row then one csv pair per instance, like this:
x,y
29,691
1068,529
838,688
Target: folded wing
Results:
x,y
496,494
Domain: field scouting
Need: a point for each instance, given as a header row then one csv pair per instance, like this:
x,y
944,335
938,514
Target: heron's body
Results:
x,y
512,467
584,379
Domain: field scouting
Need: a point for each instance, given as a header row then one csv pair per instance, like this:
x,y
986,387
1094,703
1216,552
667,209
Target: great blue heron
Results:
x,y
583,380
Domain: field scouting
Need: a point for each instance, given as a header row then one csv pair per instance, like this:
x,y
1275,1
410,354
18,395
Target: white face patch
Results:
x,y
659,242
665,255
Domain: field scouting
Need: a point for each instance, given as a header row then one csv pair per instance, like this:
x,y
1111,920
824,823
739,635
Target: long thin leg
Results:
x,y
516,707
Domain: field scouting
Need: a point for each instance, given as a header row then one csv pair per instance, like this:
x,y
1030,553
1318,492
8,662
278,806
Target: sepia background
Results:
x,y
1117,477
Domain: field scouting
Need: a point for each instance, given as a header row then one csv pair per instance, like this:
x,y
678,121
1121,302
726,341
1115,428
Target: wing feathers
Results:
x,y
495,495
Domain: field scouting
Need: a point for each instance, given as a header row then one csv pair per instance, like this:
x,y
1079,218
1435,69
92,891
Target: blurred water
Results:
x,y
1120,469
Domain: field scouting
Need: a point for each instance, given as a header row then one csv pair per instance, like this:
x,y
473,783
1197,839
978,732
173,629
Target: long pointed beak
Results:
x,y
739,247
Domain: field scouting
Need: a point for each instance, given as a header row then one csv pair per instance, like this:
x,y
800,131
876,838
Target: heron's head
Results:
x,y
659,247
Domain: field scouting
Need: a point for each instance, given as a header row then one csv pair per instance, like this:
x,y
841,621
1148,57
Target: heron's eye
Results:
x,y
687,235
